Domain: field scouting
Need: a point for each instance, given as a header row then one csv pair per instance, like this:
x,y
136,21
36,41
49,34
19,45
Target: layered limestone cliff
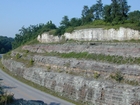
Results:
x,y
78,88
85,80
94,73
95,34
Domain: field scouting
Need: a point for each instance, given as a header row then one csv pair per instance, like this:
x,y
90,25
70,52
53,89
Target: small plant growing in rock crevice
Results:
x,y
27,51
48,68
18,56
132,82
31,62
118,76
96,75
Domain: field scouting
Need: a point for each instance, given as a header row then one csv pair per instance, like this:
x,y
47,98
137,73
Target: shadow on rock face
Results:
x,y
31,102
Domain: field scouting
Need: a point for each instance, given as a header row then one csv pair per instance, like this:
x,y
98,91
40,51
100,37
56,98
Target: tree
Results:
x,y
124,8
98,9
107,13
119,11
115,11
65,22
74,22
5,44
134,16
26,34
60,31
87,15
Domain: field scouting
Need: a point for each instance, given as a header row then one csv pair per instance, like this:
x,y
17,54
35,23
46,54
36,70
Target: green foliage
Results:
x,y
65,22
74,55
98,22
5,44
96,75
116,12
31,62
114,15
48,67
18,56
27,51
70,29
134,17
132,82
87,15
97,10
107,13
74,22
30,33
52,32
4,97
60,31
118,76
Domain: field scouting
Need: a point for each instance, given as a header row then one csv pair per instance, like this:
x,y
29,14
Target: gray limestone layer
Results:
x,y
116,49
77,87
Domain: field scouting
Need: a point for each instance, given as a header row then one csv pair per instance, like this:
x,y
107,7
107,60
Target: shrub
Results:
x,y
99,22
4,97
18,56
132,82
52,32
27,51
48,68
31,62
70,29
118,76
96,75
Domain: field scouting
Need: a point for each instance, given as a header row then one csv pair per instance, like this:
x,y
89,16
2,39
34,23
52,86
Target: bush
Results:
x,y
31,62
99,22
27,51
118,76
70,29
52,32
4,97
18,56
96,75
132,82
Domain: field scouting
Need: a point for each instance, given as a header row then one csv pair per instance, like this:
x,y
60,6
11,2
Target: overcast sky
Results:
x,y
17,13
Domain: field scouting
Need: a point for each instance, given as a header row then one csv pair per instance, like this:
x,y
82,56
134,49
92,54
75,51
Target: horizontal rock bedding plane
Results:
x,y
99,73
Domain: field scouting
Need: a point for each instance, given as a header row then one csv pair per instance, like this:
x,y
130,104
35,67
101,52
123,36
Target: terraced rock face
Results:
x,y
118,49
96,73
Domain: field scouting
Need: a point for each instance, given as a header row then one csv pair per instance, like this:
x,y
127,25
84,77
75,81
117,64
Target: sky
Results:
x,y
17,13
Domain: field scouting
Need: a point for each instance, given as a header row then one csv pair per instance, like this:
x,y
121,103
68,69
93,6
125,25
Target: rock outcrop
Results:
x,y
78,79
106,73
77,87
45,37
95,34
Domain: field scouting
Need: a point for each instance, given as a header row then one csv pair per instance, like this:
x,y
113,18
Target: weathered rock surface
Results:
x,y
48,38
74,78
130,71
95,34
119,49
77,87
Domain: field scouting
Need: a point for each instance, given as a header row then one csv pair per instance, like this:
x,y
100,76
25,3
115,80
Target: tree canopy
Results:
x,y
5,44
115,13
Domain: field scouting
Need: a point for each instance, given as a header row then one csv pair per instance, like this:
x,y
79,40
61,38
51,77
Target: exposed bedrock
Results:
x,y
77,87
120,49
94,34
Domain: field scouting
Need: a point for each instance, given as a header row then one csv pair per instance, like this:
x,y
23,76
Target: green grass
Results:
x,y
97,57
108,26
